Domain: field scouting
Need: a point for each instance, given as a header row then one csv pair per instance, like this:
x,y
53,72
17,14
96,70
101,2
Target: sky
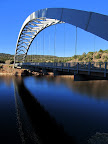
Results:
x,y
13,14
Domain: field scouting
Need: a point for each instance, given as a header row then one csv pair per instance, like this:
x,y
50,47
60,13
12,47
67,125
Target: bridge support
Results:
x,y
44,72
55,72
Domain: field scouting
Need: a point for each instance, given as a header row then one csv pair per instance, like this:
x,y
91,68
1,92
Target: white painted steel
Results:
x,y
89,21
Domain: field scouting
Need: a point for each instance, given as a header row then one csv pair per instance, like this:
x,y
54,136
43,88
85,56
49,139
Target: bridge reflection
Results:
x,y
44,127
95,88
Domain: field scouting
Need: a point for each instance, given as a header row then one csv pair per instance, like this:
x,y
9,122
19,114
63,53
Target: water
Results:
x,y
46,110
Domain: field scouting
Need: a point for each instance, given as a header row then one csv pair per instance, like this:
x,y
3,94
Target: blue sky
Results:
x,y
13,13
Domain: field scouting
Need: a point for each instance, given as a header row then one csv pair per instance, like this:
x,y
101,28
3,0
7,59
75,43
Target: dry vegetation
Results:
x,y
100,56
7,69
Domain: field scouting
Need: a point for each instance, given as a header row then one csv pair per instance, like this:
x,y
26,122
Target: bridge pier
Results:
x,y
55,72
44,72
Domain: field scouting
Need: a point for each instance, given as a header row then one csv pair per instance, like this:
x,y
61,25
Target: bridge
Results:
x,y
38,21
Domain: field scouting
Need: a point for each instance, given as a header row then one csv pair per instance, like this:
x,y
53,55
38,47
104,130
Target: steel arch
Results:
x,y
89,21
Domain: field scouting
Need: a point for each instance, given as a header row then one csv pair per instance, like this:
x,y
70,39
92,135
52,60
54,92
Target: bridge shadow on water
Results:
x,y
44,126
35,124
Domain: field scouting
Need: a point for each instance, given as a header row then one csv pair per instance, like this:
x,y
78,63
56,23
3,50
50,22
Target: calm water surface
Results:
x,y
46,110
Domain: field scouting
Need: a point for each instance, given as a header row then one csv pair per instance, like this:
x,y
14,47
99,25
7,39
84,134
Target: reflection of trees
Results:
x,y
48,131
96,88
6,79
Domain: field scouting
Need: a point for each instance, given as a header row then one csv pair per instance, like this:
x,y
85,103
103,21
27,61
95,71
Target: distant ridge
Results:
x,y
100,56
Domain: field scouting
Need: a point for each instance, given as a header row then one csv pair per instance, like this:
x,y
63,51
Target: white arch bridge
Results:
x,y
94,23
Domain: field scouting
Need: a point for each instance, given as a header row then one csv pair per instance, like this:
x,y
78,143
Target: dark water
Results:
x,y
46,110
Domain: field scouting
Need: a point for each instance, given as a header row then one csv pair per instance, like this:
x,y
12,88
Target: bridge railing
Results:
x,y
93,65
98,66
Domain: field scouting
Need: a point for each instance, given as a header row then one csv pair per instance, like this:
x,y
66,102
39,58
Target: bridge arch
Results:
x,y
94,23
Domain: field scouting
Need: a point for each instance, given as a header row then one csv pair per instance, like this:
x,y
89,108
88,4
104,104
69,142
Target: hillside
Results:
x,y
4,58
100,56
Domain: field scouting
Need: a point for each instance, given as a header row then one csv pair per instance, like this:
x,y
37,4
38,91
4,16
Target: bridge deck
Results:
x,y
70,68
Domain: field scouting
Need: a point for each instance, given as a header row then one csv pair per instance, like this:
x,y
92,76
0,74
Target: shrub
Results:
x,y
98,56
105,51
7,62
90,53
101,50
105,60
100,61
1,66
11,62
80,58
84,54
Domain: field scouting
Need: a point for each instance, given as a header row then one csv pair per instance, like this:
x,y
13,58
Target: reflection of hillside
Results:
x,y
48,131
96,88
6,79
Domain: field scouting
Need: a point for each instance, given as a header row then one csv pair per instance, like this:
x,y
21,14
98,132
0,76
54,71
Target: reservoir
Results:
x,y
51,110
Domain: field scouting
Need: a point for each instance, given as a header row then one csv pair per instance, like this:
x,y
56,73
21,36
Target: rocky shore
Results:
x,y
6,69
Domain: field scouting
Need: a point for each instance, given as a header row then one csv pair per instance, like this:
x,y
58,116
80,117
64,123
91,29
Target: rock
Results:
x,y
99,138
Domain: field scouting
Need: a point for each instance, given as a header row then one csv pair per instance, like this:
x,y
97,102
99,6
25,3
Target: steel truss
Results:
x,y
28,33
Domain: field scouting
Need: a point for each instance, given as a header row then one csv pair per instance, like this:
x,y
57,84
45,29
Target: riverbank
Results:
x,y
7,69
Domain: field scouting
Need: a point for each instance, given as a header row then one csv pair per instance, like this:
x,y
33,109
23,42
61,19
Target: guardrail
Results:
x,y
81,66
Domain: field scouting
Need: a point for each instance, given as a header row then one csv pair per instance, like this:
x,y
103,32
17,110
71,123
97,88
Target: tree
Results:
x,y
100,50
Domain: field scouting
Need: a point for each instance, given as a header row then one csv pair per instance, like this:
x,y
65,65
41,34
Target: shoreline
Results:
x,y
8,69
6,74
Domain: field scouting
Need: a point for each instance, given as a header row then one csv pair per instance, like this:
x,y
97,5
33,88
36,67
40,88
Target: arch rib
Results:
x,y
89,21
